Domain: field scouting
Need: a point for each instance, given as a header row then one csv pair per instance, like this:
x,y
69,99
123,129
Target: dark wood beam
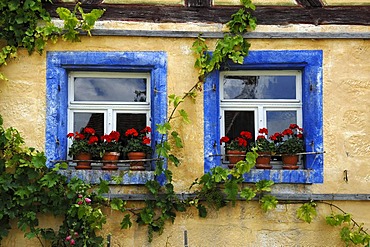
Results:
x,y
359,15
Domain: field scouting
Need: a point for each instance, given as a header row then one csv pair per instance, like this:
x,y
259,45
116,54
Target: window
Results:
x,y
270,89
91,88
251,100
108,101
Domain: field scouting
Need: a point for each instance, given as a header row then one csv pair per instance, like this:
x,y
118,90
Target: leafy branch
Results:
x,y
351,232
221,186
27,24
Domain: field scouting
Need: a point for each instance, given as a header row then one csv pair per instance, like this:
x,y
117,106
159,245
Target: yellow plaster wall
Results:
x,y
346,2
346,76
242,225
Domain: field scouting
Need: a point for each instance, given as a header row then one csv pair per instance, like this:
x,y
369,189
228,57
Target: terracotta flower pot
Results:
x,y
110,156
136,165
290,161
234,156
83,165
263,160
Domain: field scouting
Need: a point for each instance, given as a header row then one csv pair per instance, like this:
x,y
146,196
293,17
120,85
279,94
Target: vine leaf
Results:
x,y
146,216
264,185
126,222
247,193
118,204
268,202
202,211
176,100
338,219
153,186
231,190
163,128
174,160
345,235
177,139
103,186
184,116
307,212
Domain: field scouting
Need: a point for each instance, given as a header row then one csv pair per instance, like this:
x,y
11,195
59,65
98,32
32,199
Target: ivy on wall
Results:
x,y
26,24
27,187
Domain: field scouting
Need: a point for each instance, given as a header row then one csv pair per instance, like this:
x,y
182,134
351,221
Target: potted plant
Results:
x,y
110,150
236,148
264,149
291,145
84,147
137,147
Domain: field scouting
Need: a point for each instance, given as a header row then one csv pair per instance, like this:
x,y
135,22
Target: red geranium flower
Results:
x,y
263,131
242,142
261,137
106,138
246,134
287,132
79,136
131,132
224,139
146,140
84,142
147,129
114,135
93,139
89,131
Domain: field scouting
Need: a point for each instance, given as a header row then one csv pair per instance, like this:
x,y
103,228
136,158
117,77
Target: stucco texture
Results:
x,y
346,77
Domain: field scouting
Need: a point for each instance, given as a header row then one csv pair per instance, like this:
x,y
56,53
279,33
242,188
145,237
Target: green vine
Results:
x,y
28,187
27,24
351,232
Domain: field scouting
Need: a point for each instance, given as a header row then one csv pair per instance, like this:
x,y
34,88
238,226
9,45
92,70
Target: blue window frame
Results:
x,y
307,61
59,64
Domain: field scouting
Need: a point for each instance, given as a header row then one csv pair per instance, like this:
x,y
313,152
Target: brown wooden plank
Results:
x,y
359,15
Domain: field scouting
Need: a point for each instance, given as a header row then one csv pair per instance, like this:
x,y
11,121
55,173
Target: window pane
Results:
x,y
110,89
237,121
92,120
259,87
277,121
127,121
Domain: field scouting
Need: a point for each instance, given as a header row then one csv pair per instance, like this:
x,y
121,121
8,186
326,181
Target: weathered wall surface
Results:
x,y
346,96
